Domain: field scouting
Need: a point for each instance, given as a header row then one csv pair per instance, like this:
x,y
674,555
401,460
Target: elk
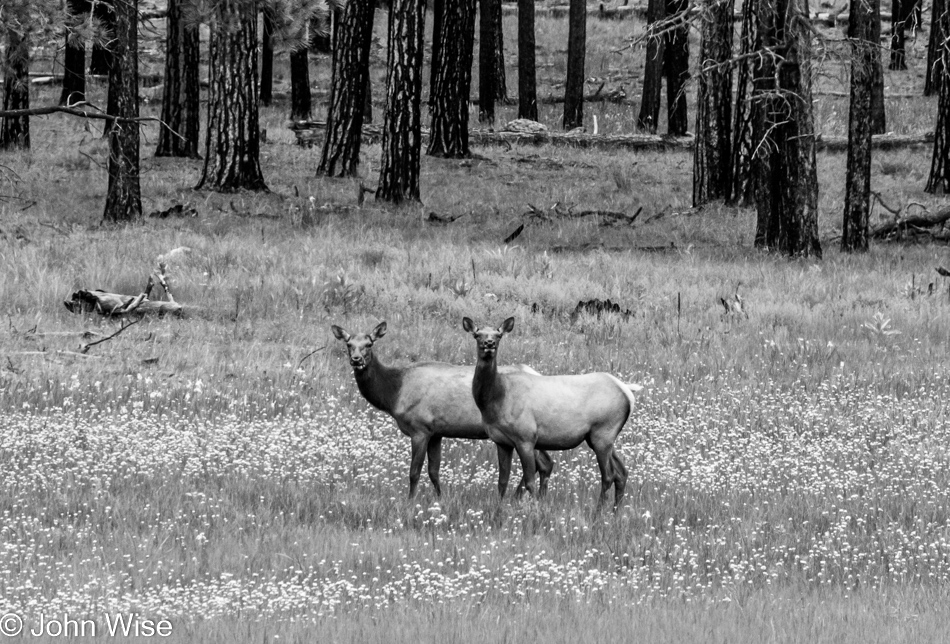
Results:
x,y
429,401
533,412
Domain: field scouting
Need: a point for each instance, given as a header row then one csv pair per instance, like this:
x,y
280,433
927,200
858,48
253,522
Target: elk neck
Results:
x,y
486,385
380,384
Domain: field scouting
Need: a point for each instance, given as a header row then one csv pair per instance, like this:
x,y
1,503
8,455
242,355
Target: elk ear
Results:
x,y
507,325
379,331
339,333
467,325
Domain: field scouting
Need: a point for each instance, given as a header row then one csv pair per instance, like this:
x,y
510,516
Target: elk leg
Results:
x,y
605,464
504,469
435,461
418,444
545,467
620,480
528,466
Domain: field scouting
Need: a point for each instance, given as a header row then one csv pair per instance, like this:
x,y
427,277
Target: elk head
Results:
x,y
360,346
486,337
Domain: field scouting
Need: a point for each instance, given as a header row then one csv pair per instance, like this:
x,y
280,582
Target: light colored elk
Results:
x,y
533,412
429,401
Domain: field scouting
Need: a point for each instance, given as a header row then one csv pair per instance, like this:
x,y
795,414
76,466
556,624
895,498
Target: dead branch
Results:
x,y
917,223
85,347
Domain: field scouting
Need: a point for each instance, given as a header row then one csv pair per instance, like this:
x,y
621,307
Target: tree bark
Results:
x,y
649,116
181,93
901,12
233,144
527,74
939,180
576,54
102,55
74,58
711,160
300,84
402,128
857,200
448,136
878,114
267,59
501,82
786,180
742,189
487,73
438,15
676,69
15,130
935,73
124,197
349,90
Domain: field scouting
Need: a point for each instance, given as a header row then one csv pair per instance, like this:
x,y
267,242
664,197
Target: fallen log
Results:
x,y
915,224
116,304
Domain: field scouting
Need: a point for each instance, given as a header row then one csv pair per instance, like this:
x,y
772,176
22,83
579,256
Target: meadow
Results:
x,y
788,464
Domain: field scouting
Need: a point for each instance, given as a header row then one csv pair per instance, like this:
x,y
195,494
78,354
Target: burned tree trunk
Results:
x,y
438,15
102,54
711,159
935,73
300,84
180,96
448,136
649,116
527,74
939,180
233,143
501,82
267,59
349,90
878,114
902,12
857,200
74,57
402,129
124,198
786,177
676,68
742,190
487,74
576,54
15,130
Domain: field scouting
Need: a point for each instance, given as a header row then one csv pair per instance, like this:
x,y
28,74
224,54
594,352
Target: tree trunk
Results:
x,y
857,200
713,153
487,73
527,75
676,69
878,114
350,91
402,128
233,144
124,198
181,93
267,59
649,116
102,54
501,82
939,180
935,72
786,176
901,12
15,130
368,99
453,79
576,53
743,150
300,84
438,15
74,58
